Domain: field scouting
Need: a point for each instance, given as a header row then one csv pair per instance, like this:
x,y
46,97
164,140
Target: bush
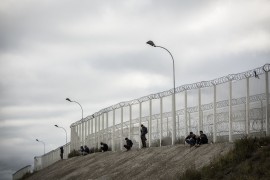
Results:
x,y
166,141
191,174
155,143
239,163
180,141
73,153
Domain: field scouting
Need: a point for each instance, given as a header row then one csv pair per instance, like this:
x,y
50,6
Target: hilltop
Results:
x,y
166,162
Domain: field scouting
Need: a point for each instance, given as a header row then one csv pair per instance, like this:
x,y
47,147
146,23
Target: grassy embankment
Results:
x,y
250,159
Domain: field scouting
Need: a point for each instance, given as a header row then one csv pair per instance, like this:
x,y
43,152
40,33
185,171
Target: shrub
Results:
x,y
166,141
73,153
238,163
155,143
180,141
191,174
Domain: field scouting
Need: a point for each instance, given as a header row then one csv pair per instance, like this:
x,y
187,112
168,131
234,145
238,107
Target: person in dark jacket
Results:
x,y
86,149
143,133
191,139
61,152
129,144
202,139
104,147
82,151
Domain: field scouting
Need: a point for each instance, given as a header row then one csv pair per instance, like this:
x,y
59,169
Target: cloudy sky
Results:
x,y
95,52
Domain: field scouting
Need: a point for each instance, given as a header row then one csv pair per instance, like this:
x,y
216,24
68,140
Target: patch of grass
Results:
x,y
155,143
166,141
191,174
180,141
73,153
27,175
250,159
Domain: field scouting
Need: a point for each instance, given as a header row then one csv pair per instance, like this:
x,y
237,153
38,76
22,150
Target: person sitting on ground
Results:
x,y
202,139
86,149
129,144
82,151
191,139
104,147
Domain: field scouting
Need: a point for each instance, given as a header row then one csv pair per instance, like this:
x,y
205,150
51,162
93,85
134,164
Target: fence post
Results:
x,y
173,118
122,120
247,107
161,121
75,136
79,134
107,127
71,137
87,132
214,115
178,129
186,118
96,144
167,126
130,121
199,109
150,122
98,119
230,111
267,102
83,134
113,135
92,132
140,122
103,127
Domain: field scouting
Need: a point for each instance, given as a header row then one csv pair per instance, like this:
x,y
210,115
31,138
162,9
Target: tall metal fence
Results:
x,y
225,108
51,157
20,173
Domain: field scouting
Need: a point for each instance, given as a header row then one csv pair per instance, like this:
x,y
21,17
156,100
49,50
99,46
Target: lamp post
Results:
x,y
77,103
151,43
42,143
82,116
64,130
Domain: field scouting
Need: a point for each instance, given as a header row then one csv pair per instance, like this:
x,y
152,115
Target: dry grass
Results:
x,y
250,159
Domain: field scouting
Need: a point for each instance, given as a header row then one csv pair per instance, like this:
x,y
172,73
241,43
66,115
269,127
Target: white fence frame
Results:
x,y
230,118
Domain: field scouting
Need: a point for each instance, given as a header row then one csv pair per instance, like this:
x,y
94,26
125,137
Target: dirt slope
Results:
x,y
152,163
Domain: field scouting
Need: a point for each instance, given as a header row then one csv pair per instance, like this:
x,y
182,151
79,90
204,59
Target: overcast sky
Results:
x,y
95,52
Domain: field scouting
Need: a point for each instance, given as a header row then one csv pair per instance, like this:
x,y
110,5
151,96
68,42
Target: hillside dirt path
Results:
x,y
166,162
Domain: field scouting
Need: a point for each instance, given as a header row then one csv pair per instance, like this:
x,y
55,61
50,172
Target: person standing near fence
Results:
x,y
143,133
61,152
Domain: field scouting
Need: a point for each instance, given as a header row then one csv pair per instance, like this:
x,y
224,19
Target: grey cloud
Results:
x,y
95,52
138,61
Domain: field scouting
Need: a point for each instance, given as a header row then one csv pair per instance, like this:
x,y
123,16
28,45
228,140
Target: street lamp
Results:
x,y
151,43
64,130
42,143
77,103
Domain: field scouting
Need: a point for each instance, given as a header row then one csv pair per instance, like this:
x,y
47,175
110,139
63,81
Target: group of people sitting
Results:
x,y
84,150
104,147
191,139
194,140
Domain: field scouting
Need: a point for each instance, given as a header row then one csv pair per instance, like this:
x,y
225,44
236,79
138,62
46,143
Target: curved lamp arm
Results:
x,y
77,103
